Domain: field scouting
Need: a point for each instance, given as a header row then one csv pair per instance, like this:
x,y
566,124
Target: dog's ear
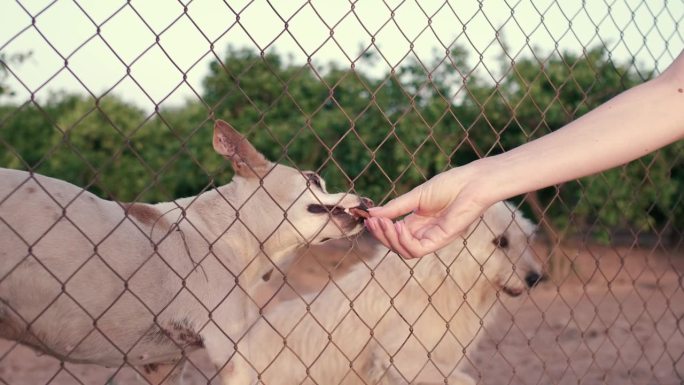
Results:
x,y
247,161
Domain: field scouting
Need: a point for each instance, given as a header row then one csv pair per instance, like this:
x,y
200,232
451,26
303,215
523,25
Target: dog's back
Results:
x,y
67,259
40,214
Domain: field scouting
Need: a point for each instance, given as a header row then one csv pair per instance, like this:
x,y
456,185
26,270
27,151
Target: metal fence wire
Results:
x,y
247,272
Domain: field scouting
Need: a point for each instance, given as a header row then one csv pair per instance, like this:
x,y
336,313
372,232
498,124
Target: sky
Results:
x,y
157,52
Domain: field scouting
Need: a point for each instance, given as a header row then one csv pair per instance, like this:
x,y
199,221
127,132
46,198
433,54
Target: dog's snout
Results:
x,y
533,278
366,203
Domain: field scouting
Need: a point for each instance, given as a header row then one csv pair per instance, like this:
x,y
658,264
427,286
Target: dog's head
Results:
x,y
282,204
499,247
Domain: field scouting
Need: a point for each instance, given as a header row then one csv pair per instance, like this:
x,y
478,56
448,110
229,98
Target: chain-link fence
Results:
x,y
270,278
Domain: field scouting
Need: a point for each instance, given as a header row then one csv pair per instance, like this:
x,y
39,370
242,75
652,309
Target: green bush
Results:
x,y
379,136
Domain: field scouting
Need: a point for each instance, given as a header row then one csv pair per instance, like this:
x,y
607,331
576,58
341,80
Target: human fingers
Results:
x,y
373,225
423,236
390,231
398,206
413,231
432,238
414,246
378,231
450,224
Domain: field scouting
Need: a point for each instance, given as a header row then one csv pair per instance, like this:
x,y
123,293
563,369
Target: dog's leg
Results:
x,y
163,374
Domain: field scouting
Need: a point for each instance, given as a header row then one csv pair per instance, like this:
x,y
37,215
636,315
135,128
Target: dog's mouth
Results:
x,y
511,291
532,279
342,215
348,219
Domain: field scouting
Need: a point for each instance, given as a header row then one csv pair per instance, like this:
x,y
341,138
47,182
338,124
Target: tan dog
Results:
x,y
95,281
391,321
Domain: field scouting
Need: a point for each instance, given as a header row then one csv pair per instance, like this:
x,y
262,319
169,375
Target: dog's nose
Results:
x,y
366,203
533,278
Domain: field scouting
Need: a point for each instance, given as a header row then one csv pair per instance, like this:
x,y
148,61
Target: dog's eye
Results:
x,y
501,242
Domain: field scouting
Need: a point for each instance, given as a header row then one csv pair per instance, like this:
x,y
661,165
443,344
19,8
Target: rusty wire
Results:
x,y
585,319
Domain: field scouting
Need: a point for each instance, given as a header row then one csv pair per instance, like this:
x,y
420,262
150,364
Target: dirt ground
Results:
x,y
613,318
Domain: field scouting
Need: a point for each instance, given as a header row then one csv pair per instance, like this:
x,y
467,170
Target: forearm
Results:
x,y
633,124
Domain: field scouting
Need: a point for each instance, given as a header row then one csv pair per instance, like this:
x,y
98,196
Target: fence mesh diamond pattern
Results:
x,y
184,184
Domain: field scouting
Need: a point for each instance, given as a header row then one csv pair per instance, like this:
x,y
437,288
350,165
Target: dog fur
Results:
x,y
94,281
392,321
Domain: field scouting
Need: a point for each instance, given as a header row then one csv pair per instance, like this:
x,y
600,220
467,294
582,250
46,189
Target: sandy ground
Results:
x,y
613,318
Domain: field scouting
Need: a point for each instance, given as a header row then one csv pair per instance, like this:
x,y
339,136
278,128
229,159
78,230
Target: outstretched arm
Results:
x,y
632,124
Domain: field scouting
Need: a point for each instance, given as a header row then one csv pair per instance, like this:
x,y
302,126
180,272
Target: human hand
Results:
x,y
630,125
441,209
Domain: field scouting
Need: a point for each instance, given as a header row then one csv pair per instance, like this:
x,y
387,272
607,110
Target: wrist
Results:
x,y
513,173
480,182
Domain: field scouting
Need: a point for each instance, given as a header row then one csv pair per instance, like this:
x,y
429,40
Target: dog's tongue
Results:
x,y
359,212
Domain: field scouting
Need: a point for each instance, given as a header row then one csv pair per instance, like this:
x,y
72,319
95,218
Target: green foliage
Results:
x,y
5,60
379,136
112,148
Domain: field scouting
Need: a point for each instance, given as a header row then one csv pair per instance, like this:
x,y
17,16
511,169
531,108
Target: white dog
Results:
x,y
95,281
391,321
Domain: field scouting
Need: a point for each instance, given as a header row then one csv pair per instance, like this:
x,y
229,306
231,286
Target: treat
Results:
x,y
359,212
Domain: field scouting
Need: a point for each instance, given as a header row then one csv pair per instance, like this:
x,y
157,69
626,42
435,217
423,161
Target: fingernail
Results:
x,y
400,227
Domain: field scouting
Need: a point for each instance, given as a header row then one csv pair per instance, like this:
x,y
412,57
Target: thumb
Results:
x,y
398,206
